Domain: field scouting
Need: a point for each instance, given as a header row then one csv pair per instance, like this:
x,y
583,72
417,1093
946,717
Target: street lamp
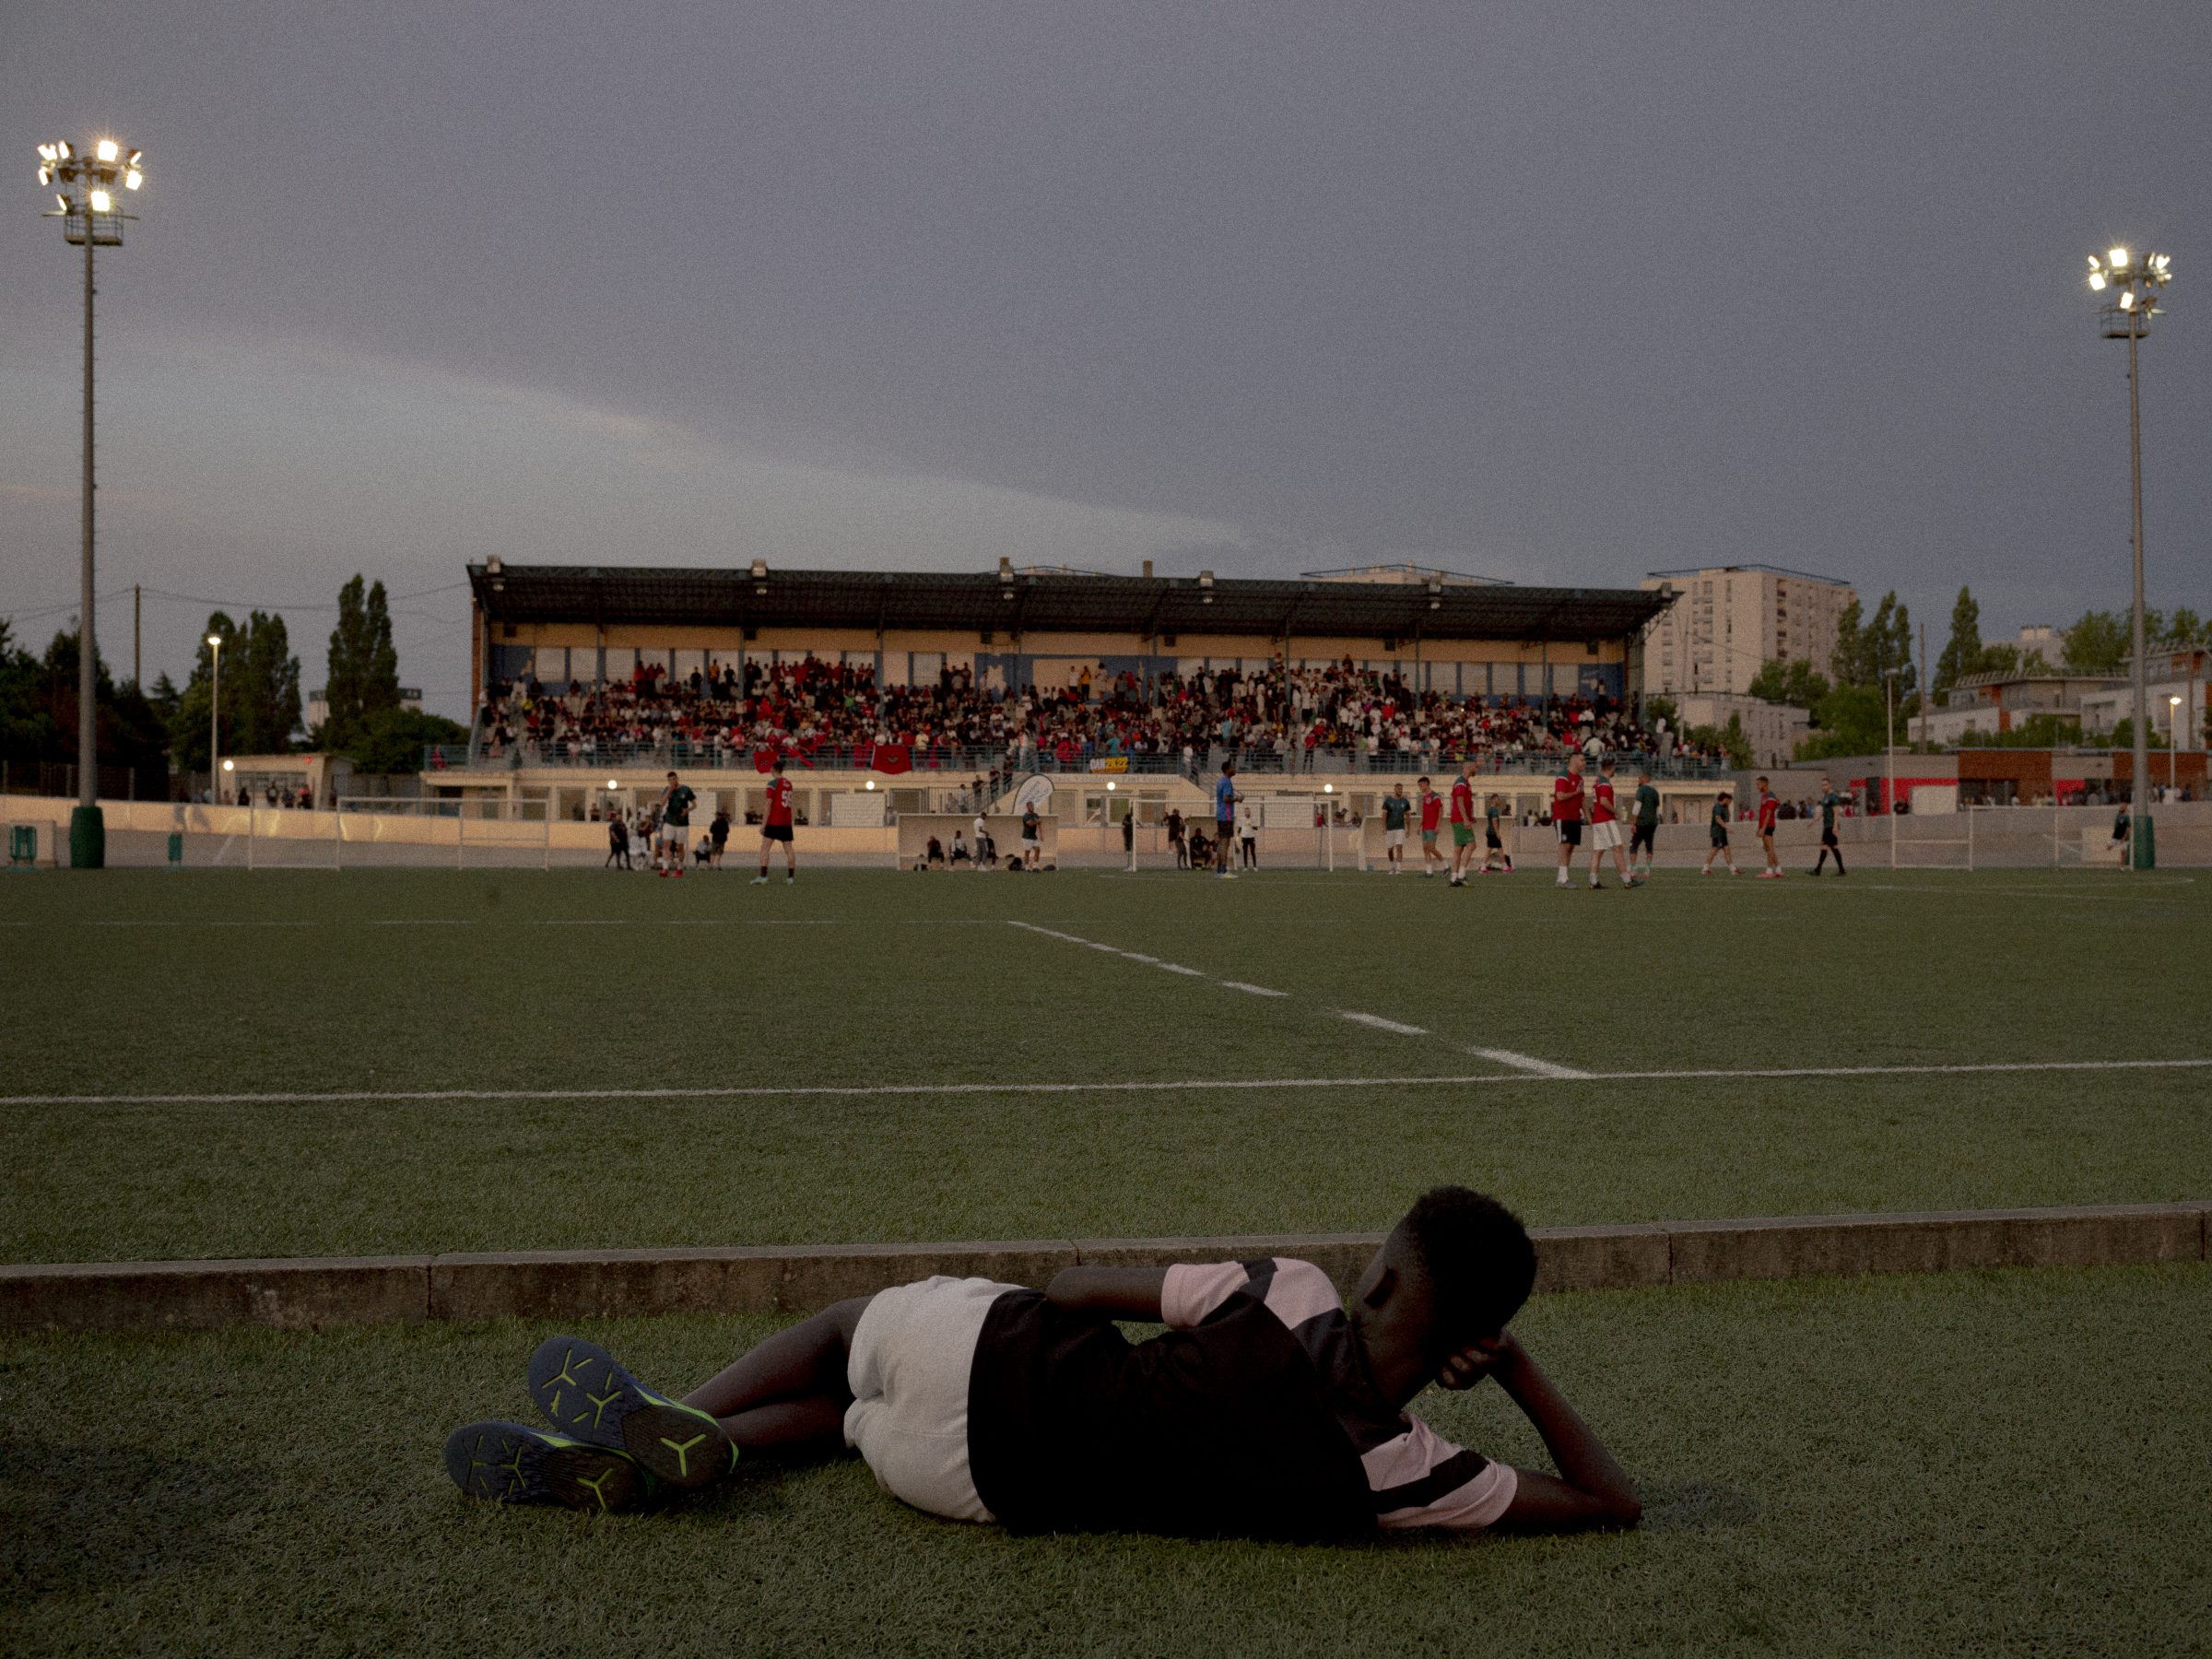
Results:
x,y
1889,753
85,180
214,704
2173,743
2130,287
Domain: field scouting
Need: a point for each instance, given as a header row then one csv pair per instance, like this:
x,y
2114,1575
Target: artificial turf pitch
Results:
x,y
1964,1463
553,991
1955,1464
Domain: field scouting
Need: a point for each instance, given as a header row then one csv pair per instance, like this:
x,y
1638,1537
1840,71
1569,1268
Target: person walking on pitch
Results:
x,y
1225,819
775,825
1646,831
1769,808
1829,801
1432,813
675,840
1568,797
1720,848
1463,822
1604,829
1493,837
1397,808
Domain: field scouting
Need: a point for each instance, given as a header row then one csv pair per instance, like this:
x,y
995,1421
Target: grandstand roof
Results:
x,y
1009,601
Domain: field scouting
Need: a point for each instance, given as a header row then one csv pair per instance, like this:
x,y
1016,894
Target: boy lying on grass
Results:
x,y
1265,1410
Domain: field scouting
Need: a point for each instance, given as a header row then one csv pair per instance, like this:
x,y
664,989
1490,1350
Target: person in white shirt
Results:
x,y
1248,833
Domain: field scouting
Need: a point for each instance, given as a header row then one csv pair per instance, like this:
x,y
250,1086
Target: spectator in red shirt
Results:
x,y
1768,808
1567,794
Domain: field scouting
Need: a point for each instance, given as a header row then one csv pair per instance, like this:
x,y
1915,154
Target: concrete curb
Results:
x,y
309,1292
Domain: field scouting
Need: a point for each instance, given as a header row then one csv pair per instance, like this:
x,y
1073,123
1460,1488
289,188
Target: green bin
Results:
x,y
176,849
22,846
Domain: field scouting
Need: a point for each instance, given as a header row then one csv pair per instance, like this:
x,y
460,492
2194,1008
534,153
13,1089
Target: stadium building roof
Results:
x,y
1006,601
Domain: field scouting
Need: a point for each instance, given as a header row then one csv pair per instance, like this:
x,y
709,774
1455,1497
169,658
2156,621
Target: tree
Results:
x,y
1962,653
1851,720
38,704
2099,643
1729,739
393,739
261,692
1796,683
270,682
1844,663
364,666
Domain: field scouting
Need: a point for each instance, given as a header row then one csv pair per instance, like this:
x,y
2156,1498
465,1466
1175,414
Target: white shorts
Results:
x,y
908,1371
674,835
1605,836
1394,838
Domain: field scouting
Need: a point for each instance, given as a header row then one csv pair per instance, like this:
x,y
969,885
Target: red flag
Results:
x,y
763,759
894,758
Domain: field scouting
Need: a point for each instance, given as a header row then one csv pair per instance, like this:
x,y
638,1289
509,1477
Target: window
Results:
x,y
551,664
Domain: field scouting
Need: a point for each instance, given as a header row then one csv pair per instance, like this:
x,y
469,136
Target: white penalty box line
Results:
x,y
786,1091
1398,1028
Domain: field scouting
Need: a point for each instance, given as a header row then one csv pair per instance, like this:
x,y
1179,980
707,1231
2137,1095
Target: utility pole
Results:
x,y
1923,685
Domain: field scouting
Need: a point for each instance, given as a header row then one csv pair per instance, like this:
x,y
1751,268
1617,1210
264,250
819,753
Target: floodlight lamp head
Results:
x,y
102,202
48,152
2096,281
108,149
2117,257
215,641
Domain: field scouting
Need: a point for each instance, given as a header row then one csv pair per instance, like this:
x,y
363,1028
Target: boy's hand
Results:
x,y
1471,1364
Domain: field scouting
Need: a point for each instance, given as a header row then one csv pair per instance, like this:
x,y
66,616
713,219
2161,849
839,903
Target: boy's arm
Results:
x,y
1591,1488
1117,1292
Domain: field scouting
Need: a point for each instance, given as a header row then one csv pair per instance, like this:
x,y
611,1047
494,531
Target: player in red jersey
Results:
x,y
1604,829
1432,819
1463,822
1568,797
776,826
1768,808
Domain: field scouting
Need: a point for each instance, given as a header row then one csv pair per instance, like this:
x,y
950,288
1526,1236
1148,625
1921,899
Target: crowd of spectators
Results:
x,y
1278,719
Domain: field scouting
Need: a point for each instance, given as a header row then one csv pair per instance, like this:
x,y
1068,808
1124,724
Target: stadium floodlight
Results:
x,y
85,203
2129,290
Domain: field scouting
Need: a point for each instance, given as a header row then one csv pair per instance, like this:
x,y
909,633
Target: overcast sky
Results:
x,y
1560,291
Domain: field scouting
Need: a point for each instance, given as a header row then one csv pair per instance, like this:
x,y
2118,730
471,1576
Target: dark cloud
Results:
x,y
1559,292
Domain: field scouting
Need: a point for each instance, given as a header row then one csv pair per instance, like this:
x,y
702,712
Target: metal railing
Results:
x,y
1077,759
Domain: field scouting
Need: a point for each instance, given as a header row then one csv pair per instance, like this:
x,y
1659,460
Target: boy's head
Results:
x,y
1456,1268
671,777
1762,785
1643,777
1605,768
1424,784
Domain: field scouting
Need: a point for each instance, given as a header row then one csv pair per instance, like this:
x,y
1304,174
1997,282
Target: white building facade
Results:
x,y
1729,620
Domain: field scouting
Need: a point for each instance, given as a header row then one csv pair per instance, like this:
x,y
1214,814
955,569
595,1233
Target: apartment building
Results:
x,y
1728,619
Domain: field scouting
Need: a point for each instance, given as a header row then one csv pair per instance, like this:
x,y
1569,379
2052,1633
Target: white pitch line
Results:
x,y
770,1091
1179,968
420,922
1382,1024
1251,989
1527,1062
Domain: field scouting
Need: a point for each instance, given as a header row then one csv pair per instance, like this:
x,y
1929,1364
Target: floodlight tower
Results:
x,y
85,180
2131,288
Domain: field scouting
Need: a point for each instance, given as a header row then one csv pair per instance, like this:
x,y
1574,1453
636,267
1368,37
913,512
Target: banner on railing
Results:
x,y
1109,763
